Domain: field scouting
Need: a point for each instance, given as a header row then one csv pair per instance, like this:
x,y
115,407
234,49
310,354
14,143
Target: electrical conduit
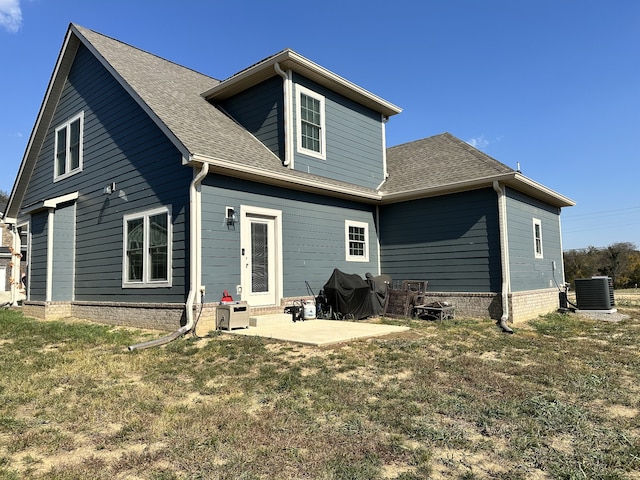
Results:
x,y
195,216
504,256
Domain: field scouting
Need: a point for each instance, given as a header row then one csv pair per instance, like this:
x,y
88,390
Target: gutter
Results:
x,y
504,256
287,178
514,179
195,258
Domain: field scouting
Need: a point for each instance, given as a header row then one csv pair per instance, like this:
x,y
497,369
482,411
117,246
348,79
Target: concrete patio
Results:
x,y
317,332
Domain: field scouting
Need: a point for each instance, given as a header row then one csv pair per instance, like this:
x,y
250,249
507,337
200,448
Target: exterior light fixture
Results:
x,y
231,217
109,189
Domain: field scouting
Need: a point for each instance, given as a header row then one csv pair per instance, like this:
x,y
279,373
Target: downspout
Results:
x,y
504,256
288,122
195,215
378,238
385,172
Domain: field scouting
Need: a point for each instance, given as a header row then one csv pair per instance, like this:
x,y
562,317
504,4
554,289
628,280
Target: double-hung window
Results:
x,y
147,252
68,148
311,123
356,241
537,238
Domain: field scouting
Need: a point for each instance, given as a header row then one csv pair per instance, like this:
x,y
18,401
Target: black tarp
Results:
x,y
379,291
353,297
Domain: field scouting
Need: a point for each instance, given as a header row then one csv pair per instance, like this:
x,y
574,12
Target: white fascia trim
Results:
x,y
565,201
45,114
271,177
54,202
287,58
511,179
442,189
343,81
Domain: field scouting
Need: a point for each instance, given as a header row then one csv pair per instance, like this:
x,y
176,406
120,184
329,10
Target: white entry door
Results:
x,y
261,238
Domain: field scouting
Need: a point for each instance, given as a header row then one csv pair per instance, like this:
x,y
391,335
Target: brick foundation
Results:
x,y
156,316
170,316
46,310
468,304
523,306
532,303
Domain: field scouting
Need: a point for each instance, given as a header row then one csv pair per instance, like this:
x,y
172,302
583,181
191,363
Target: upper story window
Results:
x,y
356,241
147,256
537,238
68,148
311,123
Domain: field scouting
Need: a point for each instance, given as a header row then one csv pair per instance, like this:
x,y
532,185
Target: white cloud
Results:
x,y
479,142
10,15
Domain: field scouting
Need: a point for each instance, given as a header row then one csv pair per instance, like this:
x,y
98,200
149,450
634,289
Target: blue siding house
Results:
x,y
147,189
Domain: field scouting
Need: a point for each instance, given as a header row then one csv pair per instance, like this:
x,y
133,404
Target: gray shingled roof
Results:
x,y
435,162
173,93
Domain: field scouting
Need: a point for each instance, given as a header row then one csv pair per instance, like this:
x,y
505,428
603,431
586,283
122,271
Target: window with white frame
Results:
x,y
537,238
356,241
310,124
68,148
147,256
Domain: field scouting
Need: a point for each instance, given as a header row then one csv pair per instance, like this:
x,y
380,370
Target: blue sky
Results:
x,y
553,85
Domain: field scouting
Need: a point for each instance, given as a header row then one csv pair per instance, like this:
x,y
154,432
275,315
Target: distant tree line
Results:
x,y
620,261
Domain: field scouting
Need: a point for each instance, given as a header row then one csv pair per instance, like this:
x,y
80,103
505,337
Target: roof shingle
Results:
x,y
173,93
435,162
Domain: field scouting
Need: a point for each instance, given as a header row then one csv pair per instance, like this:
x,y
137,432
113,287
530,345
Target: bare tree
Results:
x,y
616,261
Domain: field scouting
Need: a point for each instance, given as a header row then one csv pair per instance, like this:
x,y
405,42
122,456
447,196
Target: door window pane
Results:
x,y
259,258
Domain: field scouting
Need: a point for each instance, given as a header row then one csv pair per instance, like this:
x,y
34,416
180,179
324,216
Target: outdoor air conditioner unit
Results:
x,y
595,293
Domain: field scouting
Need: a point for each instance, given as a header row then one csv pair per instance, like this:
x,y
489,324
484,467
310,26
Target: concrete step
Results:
x,y
270,319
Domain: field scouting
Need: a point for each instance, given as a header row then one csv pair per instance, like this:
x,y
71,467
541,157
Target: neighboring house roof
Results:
x,y
445,164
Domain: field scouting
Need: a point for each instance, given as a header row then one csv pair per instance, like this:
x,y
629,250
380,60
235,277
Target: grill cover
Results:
x,y
351,295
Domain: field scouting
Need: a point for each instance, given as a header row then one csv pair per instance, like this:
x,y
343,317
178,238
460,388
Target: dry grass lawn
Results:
x,y
457,399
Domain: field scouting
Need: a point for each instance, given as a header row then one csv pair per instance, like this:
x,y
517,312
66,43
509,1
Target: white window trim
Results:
x,y
322,155
67,125
146,283
540,254
356,258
